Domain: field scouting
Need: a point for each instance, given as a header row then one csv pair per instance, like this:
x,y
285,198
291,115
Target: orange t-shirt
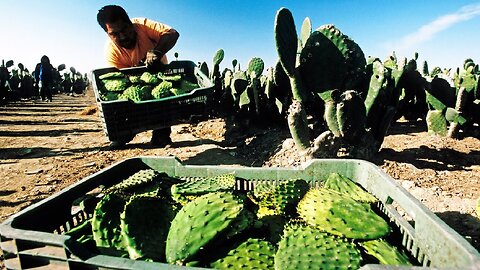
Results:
x,y
148,34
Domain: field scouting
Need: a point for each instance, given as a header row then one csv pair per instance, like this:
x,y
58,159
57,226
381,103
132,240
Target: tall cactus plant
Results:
x,y
332,66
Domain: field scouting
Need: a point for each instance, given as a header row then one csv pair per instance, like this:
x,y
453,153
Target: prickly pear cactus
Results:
x,y
250,254
200,223
346,186
192,188
135,183
137,93
281,198
341,215
115,84
437,123
286,43
351,116
149,78
384,252
331,60
306,247
111,75
106,224
145,222
162,90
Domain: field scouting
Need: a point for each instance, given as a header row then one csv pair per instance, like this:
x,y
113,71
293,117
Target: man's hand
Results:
x,y
153,59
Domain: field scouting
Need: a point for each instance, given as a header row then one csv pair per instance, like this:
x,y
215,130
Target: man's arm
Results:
x,y
166,43
153,58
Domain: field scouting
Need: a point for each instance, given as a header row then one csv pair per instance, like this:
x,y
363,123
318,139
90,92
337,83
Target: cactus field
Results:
x,y
323,98
46,147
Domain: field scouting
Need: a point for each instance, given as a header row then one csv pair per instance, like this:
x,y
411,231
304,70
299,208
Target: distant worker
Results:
x,y
44,78
135,42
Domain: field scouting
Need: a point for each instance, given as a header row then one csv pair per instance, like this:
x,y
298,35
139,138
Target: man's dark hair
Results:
x,y
111,14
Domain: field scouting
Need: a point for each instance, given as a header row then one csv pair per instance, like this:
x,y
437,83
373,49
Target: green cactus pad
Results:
x,y
137,93
331,60
283,197
200,223
135,183
116,84
162,90
287,194
255,66
322,65
306,30
134,79
110,96
286,40
346,186
353,54
149,78
111,75
218,57
341,215
200,186
251,254
441,94
384,252
377,83
306,247
351,116
171,78
106,224
436,123
145,222
454,116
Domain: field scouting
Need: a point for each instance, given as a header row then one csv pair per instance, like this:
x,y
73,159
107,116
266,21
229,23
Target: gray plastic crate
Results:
x,y
32,239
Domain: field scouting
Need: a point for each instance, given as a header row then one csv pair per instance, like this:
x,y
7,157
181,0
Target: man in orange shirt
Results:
x,y
135,42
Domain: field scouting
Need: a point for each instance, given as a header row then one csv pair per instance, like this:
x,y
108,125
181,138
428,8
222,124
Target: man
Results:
x,y
44,78
134,42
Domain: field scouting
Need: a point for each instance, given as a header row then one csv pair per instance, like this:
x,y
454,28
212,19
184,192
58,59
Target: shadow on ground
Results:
x,y
465,224
429,158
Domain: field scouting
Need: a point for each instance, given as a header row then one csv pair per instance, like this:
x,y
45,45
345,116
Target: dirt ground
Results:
x,y
45,147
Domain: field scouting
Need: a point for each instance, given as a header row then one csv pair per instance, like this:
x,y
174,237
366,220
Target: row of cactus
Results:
x,y
336,102
454,102
19,81
207,222
343,103
140,87
248,95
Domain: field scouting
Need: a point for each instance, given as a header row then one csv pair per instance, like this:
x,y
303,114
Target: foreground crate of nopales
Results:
x,y
330,214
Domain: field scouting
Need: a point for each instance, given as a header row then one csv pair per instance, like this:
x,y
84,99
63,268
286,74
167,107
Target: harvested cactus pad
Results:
x,y
306,247
111,75
115,84
106,224
199,224
145,222
385,253
340,215
344,185
251,254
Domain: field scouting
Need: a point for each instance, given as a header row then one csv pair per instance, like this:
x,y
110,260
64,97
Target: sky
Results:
x,y
444,33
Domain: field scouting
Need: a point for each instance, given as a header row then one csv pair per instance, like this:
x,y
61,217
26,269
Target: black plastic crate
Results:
x,y
123,119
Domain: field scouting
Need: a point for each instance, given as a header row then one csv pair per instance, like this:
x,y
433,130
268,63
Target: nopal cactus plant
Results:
x,y
332,67
454,104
